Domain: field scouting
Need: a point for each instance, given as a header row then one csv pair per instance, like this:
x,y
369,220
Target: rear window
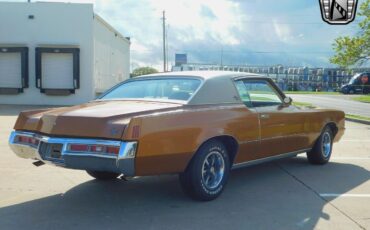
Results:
x,y
179,89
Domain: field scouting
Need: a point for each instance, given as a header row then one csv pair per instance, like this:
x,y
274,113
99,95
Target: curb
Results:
x,y
358,121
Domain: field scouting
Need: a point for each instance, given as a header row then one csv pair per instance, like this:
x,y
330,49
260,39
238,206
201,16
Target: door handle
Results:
x,y
264,116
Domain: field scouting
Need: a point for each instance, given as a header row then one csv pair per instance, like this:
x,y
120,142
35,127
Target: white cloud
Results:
x,y
138,47
241,28
187,21
187,16
283,31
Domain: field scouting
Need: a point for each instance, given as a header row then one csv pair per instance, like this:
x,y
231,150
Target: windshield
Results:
x,y
353,79
180,89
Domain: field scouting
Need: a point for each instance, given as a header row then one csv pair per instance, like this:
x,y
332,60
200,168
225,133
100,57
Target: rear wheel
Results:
x,y
103,175
321,152
207,174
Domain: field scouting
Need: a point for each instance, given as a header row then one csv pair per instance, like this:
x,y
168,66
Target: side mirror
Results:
x,y
288,100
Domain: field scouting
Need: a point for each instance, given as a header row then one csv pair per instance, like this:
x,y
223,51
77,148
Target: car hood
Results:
x,y
97,119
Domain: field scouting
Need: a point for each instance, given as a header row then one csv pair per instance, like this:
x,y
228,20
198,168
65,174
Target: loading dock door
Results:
x,y
13,69
10,70
57,71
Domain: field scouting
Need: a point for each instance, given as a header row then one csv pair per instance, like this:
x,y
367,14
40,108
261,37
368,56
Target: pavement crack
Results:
x,y
318,194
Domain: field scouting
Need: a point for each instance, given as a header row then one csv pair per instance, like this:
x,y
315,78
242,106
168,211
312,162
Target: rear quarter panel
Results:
x,y
168,140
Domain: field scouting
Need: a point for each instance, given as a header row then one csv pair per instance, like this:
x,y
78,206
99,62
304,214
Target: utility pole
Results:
x,y
167,50
164,42
222,56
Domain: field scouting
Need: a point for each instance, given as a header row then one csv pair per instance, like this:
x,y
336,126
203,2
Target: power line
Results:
x,y
272,21
234,51
286,22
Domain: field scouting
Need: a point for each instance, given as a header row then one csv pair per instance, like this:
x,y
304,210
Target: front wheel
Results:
x,y
103,175
321,152
207,174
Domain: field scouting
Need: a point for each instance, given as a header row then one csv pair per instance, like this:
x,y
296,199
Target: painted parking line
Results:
x,y
348,195
354,140
350,158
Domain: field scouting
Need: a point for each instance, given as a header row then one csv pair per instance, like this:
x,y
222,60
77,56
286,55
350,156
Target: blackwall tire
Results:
x,y
207,174
321,152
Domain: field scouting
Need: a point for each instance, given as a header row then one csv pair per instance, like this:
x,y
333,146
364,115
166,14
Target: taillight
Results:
x,y
27,140
99,149
113,150
78,148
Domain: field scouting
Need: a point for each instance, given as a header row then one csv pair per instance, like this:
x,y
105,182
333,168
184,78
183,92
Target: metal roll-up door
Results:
x,y
57,70
13,69
10,70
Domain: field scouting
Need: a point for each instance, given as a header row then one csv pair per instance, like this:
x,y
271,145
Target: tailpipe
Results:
x,y
38,163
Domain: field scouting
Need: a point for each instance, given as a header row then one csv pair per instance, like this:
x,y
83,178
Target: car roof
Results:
x,y
217,86
206,75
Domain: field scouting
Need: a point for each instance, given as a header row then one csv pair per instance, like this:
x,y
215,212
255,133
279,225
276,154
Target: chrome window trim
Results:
x,y
269,82
156,77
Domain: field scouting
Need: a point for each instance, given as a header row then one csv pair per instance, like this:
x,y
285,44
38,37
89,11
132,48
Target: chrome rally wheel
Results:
x,y
326,144
206,175
213,170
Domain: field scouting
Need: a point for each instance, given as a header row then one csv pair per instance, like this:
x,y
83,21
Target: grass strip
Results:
x,y
311,92
364,98
357,117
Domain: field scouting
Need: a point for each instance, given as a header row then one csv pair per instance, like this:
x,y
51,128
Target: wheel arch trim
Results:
x,y
223,138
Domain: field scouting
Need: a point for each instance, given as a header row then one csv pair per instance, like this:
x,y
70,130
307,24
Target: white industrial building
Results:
x,y
58,54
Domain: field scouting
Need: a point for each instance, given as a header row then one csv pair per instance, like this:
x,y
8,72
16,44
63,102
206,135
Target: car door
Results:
x,y
358,85
281,125
365,83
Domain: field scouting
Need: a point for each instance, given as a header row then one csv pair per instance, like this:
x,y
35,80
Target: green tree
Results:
x,y
354,50
143,71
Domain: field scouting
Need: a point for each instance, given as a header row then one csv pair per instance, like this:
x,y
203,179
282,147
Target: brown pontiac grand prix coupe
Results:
x,y
197,124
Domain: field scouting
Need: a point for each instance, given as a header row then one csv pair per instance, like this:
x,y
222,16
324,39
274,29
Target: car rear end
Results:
x,y
76,153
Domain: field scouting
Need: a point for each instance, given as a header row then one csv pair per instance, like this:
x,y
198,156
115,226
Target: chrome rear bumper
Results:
x,y
123,163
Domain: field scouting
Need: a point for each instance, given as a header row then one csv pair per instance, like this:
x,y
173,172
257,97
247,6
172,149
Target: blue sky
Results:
x,y
254,32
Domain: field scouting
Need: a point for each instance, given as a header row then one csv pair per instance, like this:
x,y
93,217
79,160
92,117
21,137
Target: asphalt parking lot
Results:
x,y
335,102
287,194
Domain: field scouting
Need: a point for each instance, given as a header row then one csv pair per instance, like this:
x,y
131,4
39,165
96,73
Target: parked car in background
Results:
x,y
199,125
359,84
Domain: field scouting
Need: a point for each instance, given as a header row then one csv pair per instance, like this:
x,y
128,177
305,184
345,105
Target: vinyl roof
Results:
x,y
217,87
203,74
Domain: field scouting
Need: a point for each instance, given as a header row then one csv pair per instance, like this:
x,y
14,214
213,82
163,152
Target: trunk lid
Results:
x,y
97,119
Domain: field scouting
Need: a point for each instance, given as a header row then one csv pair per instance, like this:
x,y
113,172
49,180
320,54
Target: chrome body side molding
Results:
x,y
268,159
